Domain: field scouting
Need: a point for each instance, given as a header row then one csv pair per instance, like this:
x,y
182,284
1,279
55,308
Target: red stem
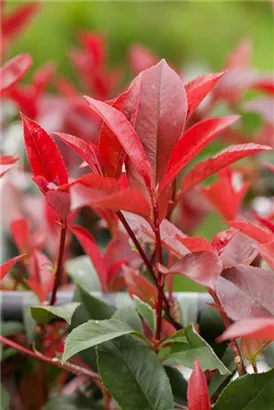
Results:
x,y
59,267
70,367
238,357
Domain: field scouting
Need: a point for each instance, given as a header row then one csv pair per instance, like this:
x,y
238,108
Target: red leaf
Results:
x,y
126,135
243,292
100,192
201,267
204,169
42,77
7,266
141,58
230,201
192,142
265,84
20,234
18,18
265,222
14,70
253,231
258,329
198,88
160,115
87,151
197,391
267,252
195,244
139,286
6,162
90,247
238,250
37,289
43,154
60,203
240,56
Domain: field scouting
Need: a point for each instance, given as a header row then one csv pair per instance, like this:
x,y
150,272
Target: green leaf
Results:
x,y
81,270
11,328
211,326
146,312
128,315
43,314
249,392
178,384
68,403
186,353
4,398
219,380
94,332
142,383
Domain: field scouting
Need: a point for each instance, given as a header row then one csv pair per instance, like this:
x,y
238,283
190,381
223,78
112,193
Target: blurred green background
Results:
x,y
183,32
195,35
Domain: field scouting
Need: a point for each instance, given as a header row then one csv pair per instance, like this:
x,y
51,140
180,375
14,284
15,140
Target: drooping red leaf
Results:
x,y
8,265
246,292
14,70
6,162
139,286
90,247
258,329
126,135
239,249
198,88
100,192
252,230
201,267
141,58
43,154
192,142
87,151
18,18
229,203
197,391
265,222
267,252
160,115
206,168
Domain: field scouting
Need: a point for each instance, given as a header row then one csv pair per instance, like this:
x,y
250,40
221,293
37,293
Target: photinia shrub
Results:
x,y
140,172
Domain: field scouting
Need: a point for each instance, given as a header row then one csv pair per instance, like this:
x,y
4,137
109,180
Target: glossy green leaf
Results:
x,y
129,315
92,333
82,269
219,380
146,312
250,392
178,384
43,314
195,348
142,382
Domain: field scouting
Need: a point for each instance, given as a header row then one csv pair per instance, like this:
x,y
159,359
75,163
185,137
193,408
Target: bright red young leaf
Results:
x,y
266,85
159,114
20,234
252,230
90,247
102,192
198,88
18,18
246,292
192,142
206,168
229,203
43,154
126,135
87,151
6,162
197,391
40,270
8,265
14,70
201,267
141,58
265,222
139,286
258,329
195,244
